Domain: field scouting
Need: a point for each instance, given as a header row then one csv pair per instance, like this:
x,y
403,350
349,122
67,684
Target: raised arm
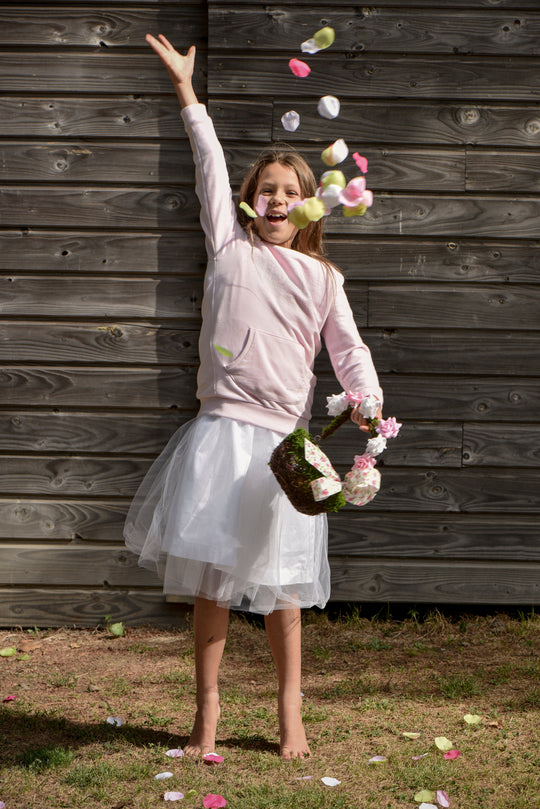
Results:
x,y
179,68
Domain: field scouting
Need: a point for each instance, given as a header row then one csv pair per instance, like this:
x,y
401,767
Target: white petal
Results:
x,y
290,121
328,107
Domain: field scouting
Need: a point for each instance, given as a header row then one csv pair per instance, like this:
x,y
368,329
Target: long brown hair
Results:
x,y
309,240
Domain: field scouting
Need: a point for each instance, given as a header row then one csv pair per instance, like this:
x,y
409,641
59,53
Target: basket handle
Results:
x,y
341,419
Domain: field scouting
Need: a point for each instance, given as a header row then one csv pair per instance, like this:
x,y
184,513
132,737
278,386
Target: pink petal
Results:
x,y
376,759
212,801
262,205
361,162
9,698
2,805
299,68
452,754
304,778
175,753
352,194
417,758
212,758
443,799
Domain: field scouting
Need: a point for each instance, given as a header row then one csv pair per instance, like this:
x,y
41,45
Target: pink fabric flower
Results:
x,y
364,461
354,398
299,68
388,428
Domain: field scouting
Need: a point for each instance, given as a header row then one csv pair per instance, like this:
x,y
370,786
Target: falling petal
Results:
x,y
443,743
329,781
8,651
212,801
425,795
443,799
248,210
299,68
173,796
328,107
161,775
417,758
117,721
9,698
174,753
335,153
290,121
452,754
376,759
212,758
358,211
472,719
324,37
224,351
261,206
410,735
310,46
361,162
329,195
333,177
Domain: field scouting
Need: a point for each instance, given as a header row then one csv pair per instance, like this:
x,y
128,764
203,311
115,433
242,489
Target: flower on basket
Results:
x,y
364,461
388,428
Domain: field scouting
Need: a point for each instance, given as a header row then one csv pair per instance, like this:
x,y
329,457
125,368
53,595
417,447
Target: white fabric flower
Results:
x,y
376,445
337,404
369,406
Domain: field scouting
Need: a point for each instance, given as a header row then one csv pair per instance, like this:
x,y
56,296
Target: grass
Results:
x,y
365,683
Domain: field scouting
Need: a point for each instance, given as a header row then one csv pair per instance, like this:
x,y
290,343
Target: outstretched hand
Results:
x,y
361,421
180,68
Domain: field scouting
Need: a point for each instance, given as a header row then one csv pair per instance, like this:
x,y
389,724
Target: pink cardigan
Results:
x,y
265,308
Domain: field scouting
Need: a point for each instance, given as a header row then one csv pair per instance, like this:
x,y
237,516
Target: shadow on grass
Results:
x,y
24,731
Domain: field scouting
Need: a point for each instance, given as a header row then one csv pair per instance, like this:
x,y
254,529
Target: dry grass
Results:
x,y
365,683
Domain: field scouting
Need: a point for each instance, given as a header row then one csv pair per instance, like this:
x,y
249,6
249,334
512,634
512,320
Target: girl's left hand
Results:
x,y
362,422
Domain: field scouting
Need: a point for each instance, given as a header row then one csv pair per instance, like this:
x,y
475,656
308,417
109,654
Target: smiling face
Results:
x,y
278,186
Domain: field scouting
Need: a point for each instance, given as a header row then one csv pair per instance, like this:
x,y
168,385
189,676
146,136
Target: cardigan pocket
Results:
x,y
271,368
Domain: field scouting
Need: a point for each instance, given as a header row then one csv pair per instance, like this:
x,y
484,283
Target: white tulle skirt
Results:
x,y
211,520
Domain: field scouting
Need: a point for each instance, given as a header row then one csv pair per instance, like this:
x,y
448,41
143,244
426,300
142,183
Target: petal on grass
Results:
x,y
472,718
443,743
8,651
212,758
2,805
417,758
329,781
443,799
212,801
162,775
9,698
304,778
175,753
117,721
173,796
377,759
452,754
427,806
425,795
410,735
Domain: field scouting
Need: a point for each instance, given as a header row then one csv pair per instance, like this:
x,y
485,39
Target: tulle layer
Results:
x,y
211,520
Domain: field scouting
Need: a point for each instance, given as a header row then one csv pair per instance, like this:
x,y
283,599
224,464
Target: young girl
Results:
x,y
209,517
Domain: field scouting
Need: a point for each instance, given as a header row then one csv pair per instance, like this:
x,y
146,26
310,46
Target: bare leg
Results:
x,y
284,630
210,624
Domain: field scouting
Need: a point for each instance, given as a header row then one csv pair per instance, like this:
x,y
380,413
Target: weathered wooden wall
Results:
x,y
101,263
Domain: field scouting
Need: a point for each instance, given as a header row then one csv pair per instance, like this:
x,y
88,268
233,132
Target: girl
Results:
x,y
209,516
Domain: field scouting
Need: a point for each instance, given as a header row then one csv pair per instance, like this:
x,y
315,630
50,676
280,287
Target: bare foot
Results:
x,y
293,742
203,734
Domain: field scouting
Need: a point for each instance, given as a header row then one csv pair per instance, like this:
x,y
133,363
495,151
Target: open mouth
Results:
x,y
276,218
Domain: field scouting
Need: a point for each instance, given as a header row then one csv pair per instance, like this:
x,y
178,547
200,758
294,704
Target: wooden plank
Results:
x,y
72,565
159,388
444,536
415,582
112,207
453,216
56,71
38,296
459,351
87,432
442,397
361,30
443,4
410,121
102,252
91,116
95,343
456,260
501,171
457,77
420,444
116,162
250,120
444,306
95,520
107,26
49,607
515,445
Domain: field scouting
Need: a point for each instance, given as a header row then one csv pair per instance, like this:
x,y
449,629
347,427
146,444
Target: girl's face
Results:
x,y
278,186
